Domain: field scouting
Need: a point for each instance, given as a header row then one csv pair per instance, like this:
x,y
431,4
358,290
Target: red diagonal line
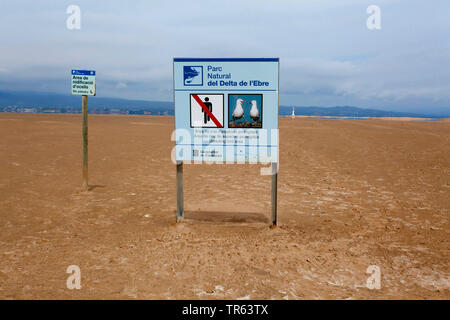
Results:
x,y
200,102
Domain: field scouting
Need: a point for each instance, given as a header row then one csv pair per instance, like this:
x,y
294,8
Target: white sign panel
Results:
x,y
207,110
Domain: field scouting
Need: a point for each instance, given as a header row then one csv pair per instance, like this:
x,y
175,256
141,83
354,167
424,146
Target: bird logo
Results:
x,y
193,75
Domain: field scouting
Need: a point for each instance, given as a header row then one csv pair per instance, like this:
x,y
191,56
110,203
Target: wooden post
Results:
x,y
180,202
84,100
274,193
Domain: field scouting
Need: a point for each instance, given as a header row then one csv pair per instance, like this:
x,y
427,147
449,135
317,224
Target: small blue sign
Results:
x,y
83,82
83,72
193,75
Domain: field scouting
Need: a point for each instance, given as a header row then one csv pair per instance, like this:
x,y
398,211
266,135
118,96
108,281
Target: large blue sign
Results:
x,y
226,110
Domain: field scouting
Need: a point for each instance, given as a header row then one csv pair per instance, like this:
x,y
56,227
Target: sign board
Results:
x,y
226,110
83,82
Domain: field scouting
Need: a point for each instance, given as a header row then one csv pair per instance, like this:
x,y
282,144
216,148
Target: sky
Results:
x,y
328,56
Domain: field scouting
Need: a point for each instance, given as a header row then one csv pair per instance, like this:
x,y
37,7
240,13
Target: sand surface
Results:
x,y
351,194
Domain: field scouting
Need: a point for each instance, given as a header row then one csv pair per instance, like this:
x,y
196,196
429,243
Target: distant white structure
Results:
x,y
293,113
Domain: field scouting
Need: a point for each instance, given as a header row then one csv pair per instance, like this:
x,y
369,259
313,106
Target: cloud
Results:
x,y
328,56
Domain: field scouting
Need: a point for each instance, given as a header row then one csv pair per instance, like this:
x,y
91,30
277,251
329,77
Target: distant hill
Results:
x,y
347,111
68,103
52,100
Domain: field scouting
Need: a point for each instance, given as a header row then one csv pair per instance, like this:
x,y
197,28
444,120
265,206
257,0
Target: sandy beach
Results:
x,y
351,194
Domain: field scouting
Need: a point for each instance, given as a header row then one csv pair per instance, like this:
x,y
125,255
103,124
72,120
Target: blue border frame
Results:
x,y
83,72
226,59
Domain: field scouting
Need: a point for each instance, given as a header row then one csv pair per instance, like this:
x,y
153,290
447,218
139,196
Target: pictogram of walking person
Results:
x,y
207,104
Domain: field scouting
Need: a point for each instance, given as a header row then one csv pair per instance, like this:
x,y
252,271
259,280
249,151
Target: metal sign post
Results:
x,y
274,192
180,203
226,111
83,83
84,102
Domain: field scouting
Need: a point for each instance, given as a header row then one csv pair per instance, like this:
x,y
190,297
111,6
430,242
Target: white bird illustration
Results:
x,y
238,111
254,113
